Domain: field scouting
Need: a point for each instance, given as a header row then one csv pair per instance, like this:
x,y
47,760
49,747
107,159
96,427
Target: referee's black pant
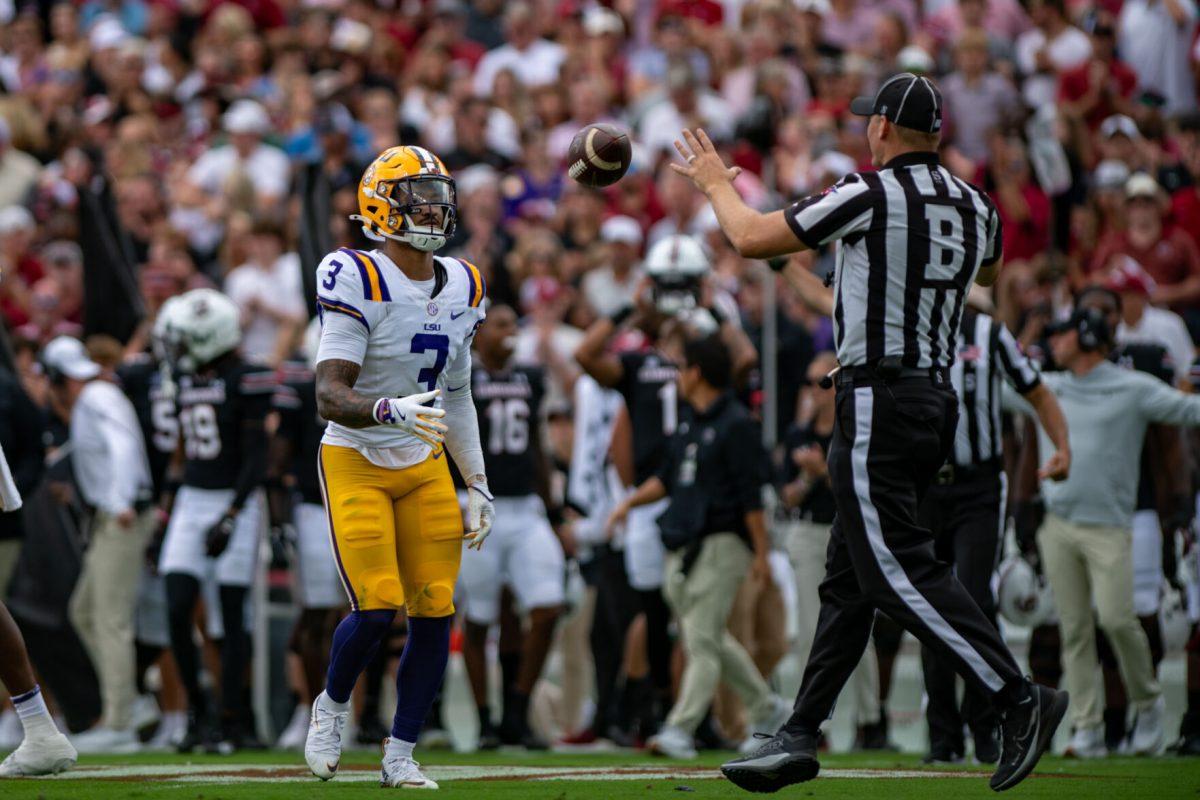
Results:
x,y
889,441
966,518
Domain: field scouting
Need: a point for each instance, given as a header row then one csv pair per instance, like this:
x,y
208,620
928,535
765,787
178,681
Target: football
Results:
x,y
599,155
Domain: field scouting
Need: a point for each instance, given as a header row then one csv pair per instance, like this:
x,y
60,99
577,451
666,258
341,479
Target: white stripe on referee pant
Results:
x,y
893,572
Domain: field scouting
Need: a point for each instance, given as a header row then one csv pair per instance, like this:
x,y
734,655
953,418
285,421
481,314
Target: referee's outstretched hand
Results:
x,y
704,165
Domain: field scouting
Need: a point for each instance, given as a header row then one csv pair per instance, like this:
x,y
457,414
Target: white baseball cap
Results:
x,y
621,229
67,355
1119,123
246,116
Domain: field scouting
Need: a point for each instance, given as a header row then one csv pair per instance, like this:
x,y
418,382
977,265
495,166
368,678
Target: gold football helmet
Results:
x,y
407,195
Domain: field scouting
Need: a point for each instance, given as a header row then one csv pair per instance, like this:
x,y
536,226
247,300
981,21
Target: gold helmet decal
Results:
x,y
407,194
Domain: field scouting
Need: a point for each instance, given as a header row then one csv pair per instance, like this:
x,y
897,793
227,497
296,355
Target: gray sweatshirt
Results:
x,y
1107,412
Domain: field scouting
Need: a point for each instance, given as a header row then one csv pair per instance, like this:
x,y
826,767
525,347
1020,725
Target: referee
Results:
x,y
910,239
964,510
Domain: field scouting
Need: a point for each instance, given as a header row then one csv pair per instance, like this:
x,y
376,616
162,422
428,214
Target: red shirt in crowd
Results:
x,y
1171,260
1075,83
30,270
1024,240
1185,212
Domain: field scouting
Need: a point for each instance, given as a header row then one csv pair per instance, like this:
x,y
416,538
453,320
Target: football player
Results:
x,y
295,501
218,514
676,267
397,328
524,553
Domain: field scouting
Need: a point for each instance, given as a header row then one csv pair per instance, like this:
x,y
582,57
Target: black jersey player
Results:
x,y
524,554
218,513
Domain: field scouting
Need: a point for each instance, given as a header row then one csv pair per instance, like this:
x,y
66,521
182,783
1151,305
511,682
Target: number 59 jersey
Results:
x,y
407,337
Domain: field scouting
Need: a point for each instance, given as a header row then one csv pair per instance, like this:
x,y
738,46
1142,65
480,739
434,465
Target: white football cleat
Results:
x,y
1087,743
323,748
44,755
402,773
672,743
1147,738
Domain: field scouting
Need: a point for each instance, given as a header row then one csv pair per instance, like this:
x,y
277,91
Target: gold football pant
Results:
x,y
396,533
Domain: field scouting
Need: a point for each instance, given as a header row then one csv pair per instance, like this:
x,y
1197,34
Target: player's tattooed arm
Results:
x,y
336,399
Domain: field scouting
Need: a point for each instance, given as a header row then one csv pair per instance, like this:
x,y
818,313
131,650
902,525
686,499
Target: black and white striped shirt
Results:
x,y
910,239
987,353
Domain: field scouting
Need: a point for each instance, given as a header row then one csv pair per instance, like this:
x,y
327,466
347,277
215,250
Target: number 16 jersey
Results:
x,y
408,336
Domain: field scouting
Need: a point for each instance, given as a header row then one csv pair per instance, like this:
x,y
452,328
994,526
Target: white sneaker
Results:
x,y
780,712
145,712
43,755
323,747
11,732
402,773
293,736
171,730
673,743
1147,737
1087,743
106,740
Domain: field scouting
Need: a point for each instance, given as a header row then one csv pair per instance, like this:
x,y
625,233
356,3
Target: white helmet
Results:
x,y
1023,598
1173,620
676,264
197,327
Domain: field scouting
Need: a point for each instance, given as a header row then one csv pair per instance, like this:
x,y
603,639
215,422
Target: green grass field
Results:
x,y
620,776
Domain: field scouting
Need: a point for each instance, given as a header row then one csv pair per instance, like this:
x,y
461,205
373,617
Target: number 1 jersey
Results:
x,y
407,336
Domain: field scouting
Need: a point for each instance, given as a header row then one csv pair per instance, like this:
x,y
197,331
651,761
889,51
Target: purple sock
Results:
x,y
354,644
422,666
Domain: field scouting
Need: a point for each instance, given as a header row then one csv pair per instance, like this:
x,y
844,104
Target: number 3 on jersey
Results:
x,y
440,344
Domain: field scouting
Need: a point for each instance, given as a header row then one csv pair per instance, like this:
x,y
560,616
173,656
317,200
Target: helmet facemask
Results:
x,y
422,210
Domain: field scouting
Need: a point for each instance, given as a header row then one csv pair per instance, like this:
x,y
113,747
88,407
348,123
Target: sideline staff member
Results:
x,y
714,471
910,239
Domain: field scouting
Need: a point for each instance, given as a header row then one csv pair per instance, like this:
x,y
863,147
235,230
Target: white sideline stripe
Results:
x,y
194,774
896,577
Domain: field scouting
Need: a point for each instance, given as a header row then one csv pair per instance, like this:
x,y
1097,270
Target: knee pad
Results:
x,y
431,599
381,589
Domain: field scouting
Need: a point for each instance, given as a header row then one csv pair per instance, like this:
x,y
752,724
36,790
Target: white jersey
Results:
x,y
408,337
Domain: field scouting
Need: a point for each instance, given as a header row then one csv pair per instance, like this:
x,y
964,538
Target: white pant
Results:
x,y
1147,563
197,510
807,543
521,552
318,584
645,556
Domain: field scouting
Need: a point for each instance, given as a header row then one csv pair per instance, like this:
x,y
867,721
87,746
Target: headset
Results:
x,y
1094,331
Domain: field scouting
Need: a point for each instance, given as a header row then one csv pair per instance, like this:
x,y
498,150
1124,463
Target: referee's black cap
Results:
x,y
907,100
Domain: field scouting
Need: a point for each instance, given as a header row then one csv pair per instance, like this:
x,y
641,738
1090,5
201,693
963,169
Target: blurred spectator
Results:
x,y
979,100
18,264
1102,86
849,25
612,285
1169,257
18,171
245,157
1023,206
1142,322
268,291
533,60
687,104
21,426
1155,38
1054,45
1121,141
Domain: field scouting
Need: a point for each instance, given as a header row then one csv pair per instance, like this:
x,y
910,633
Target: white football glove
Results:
x,y
410,415
480,514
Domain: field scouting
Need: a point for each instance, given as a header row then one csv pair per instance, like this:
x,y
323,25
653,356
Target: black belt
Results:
x,y
951,474
887,371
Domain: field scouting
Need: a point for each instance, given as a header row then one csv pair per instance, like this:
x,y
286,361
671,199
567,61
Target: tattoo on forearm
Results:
x,y
336,399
